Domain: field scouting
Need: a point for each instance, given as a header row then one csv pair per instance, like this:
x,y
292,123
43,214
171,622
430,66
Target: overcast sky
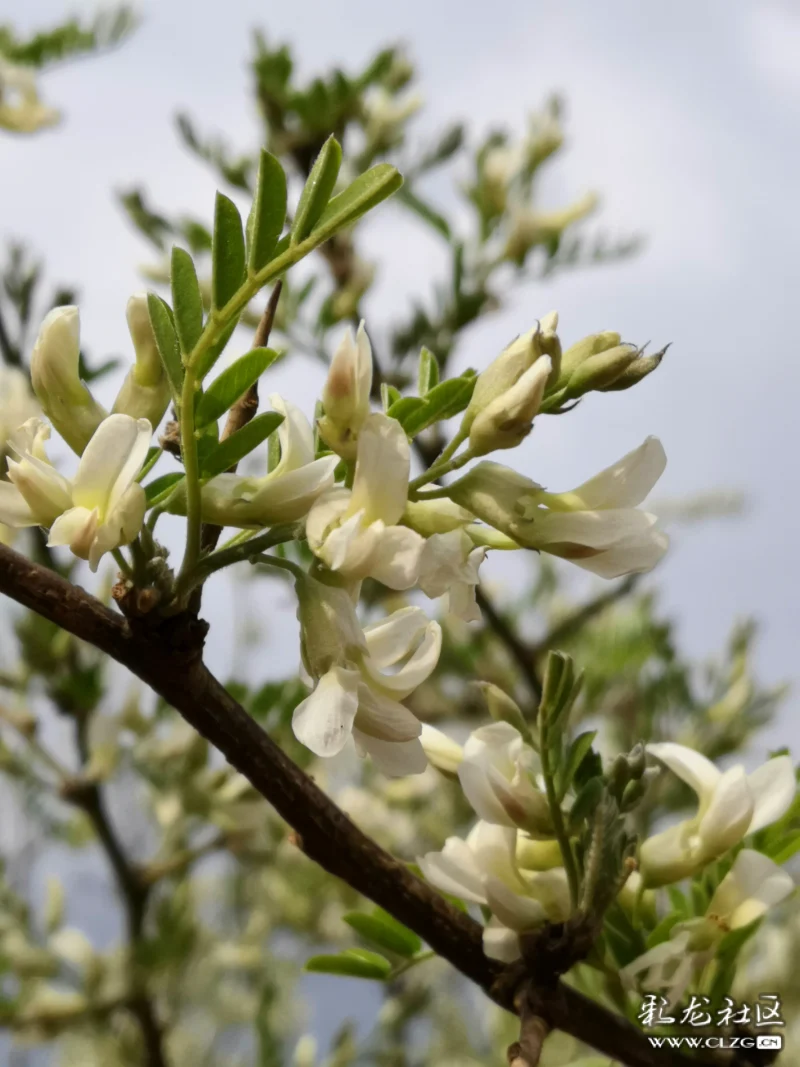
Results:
x,y
683,115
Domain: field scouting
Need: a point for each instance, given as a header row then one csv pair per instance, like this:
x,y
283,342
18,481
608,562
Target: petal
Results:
x,y
691,767
289,498
500,943
480,796
380,487
665,858
514,910
295,435
14,509
454,871
633,555
385,719
773,787
324,720
753,885
76,528
348,548
46,492
413,673
391,639
494,849
625,483
593,529
395,559
551,889
728,816
443,753
395,759
324,515
110,462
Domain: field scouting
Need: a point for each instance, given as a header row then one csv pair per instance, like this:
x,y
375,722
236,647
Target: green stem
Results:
x,y
439,469
281,564
191,466
453,447
159,452
237,552
406,965
556,814
122,563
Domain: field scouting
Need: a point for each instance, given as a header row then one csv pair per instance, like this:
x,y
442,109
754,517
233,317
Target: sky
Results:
x,y
683,116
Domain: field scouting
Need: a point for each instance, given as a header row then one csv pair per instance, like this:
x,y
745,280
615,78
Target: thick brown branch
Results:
x,y
168,659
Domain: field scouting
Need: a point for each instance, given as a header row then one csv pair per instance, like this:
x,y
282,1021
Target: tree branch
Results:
x,y
571,624
167,657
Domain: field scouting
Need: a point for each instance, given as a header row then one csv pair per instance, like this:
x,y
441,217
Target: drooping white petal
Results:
x,y
494,849
76,528
632,555
385,719
110,462
419,667
752,886
593,529
773,786
500,943
728,815
324,720
455,871
380,486
14,509
442,751
626,483
395,558
480,796
698,772
514,910
395,759
391,639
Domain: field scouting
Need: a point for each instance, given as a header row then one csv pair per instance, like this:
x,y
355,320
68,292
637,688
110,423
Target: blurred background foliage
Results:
x,y
196,955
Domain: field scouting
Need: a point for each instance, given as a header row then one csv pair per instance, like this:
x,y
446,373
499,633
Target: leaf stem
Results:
x,y
191,466
439,469
281,564
122,563
238,550
556,814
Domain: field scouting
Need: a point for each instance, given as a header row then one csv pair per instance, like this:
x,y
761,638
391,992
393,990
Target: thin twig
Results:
x,y
521,653
575,622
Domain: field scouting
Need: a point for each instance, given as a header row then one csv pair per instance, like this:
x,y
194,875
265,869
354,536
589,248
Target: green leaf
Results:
x,y
405,407
159,486
240,444
227,254
354,963
268,213
361,196
428,372
384,931
317,191
186,300
423,210
389,395
225,390
212,354
784,848
585,803
443,402
576,753
166,341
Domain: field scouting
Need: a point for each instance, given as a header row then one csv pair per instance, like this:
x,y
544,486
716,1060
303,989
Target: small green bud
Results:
x,y
636,372
600,370
503,709
578,353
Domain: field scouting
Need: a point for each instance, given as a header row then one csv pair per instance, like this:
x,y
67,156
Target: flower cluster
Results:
x,y
363,515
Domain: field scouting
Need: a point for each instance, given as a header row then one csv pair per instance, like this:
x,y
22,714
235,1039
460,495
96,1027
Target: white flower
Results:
x,y
101,508
442,751
596,526
530,227
448,567
362,677
386,115
732,804
145,392
35,493
108,504
355,532
345,397
752,886
283,495
17,402
483,870
497,777
55,373
21,109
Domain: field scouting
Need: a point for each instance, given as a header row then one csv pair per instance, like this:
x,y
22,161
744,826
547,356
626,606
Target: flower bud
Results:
x,y
55,374
21,109
600,371
503,709
508,419
532,228
578,353
443,753
635,373
538,855
145,392
346,394
512,363
429,517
